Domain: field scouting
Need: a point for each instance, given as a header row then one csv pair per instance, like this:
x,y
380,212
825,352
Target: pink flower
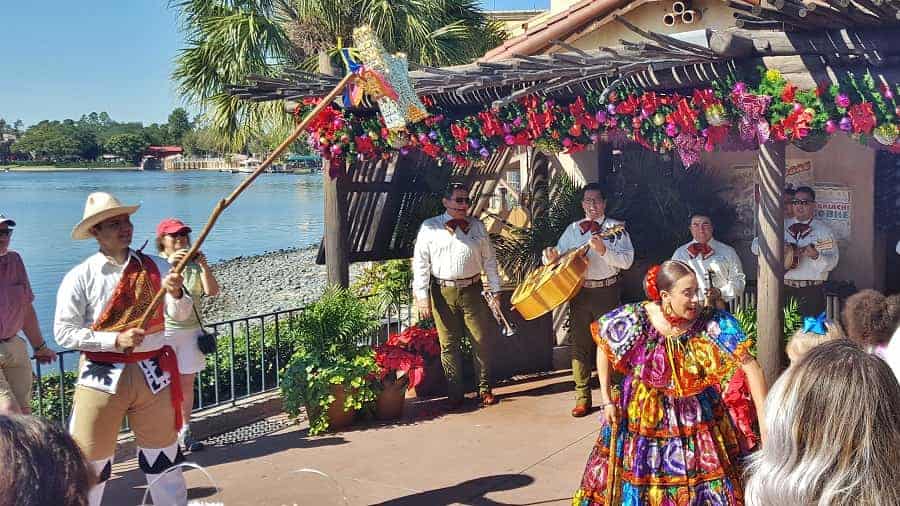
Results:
x,y
842,100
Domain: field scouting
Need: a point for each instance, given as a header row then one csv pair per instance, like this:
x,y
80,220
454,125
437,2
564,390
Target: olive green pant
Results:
x,y
455,310
589,305
810,299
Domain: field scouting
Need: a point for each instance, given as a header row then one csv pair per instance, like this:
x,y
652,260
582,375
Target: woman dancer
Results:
x,y
668,439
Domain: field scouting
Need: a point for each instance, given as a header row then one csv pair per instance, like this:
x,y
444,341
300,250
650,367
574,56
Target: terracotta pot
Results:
x,y
434,383
390,402
337,417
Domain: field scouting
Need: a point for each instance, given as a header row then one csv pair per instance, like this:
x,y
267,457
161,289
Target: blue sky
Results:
x,y
62,59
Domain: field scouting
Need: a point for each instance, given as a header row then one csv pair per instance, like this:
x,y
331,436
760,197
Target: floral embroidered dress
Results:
x,y
675,444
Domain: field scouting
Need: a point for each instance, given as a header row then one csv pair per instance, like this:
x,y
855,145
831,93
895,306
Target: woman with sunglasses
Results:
x,y
17,316
173,241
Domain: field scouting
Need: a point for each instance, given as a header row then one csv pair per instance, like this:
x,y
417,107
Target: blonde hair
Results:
x,y
801,342
832,433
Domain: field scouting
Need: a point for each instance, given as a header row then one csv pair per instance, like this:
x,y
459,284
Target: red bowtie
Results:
x,y
590,226
799,230
700,248
457,223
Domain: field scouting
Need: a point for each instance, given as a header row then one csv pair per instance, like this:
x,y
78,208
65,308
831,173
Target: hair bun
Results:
x,y
650,287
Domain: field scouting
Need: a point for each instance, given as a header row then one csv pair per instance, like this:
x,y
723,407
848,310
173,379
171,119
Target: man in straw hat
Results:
x,y
125,370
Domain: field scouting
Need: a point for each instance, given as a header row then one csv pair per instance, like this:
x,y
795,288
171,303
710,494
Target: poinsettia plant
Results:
x,y
420,339
398,365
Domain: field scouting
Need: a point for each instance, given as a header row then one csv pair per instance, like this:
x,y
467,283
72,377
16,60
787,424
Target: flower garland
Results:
x,y
730,112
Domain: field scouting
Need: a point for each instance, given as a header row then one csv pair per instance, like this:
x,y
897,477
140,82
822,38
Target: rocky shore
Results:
x,y
273,281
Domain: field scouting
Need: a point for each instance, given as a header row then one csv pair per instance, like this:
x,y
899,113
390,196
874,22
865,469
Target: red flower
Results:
x,y
704,98
490,125
649,103
684,116
862,117
431,149
417,340
629,106
459,132
522,139
364,145
789,93
393,359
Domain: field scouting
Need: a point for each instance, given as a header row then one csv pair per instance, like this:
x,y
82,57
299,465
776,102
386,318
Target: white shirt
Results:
x,y
619,251
891,353
723,262
83,296
452,255
822,238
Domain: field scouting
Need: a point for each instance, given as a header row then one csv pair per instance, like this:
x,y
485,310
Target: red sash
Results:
x,y
132,296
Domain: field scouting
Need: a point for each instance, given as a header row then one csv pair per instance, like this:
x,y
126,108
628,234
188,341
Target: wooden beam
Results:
x,y
337,244
770,172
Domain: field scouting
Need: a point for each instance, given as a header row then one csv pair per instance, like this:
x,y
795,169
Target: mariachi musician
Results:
x,y
811,252
713,261
600,293
452,250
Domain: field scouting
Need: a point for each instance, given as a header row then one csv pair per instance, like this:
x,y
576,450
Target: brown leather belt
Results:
x,y
796,283
601,283
458,283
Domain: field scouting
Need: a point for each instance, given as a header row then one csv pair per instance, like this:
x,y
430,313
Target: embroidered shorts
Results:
x,y
15,373
97,416
184,341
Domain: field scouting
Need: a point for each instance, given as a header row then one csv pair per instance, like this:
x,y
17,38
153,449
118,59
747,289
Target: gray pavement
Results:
x,y
526,450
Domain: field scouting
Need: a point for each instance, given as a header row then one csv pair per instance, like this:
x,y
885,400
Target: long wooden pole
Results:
x,y
771,173
337,238
227,201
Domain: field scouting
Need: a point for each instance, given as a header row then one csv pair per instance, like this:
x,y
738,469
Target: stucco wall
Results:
x,y
842,161
650,17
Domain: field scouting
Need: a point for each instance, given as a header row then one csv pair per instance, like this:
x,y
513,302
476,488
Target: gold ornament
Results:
x,y
886,134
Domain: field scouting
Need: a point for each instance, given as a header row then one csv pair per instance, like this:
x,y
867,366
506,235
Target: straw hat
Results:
x,y
99,206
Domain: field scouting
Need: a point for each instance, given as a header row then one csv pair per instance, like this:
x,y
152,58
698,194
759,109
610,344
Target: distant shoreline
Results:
x,y
50,168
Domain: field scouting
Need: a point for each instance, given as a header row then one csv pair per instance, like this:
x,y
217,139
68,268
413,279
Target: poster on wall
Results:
x,y
833,206
743,193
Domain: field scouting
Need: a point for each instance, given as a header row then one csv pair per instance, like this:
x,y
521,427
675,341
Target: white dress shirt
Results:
x,y
83,296
819,236
619,251
452,255
724,263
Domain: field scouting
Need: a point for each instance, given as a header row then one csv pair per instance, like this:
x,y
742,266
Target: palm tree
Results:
x,y
227,40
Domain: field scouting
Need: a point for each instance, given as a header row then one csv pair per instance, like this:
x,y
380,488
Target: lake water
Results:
x,y
277,211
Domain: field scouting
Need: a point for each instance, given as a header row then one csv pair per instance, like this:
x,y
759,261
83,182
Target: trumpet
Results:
x,y
506,328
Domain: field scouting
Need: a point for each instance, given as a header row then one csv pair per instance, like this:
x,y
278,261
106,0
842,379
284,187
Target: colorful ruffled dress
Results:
x,y
675,444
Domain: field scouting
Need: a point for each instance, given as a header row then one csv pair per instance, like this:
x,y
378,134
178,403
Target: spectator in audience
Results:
x,y
832,433
173,240
42,465
873,321
814,332
17,321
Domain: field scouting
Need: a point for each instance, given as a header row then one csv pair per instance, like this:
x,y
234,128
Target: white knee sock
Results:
x,y
166,487
102,469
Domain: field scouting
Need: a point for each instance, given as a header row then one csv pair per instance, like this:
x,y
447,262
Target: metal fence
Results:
x,y
250,353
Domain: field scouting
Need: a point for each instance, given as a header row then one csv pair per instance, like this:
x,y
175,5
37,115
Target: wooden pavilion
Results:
x,y
373,208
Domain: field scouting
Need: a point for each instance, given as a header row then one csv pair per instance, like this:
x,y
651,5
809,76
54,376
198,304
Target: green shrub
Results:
x,y
327,336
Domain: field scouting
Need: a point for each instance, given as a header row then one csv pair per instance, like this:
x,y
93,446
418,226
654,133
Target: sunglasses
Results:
x,y
6,232
461,200
180,233
801,202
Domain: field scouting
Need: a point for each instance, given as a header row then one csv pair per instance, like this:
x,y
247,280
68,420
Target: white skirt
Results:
x,y
184,341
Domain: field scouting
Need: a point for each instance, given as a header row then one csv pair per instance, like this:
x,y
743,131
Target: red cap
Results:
x,y
171,226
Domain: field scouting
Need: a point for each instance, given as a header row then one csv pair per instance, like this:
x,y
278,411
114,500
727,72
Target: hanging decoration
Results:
x,y
727,114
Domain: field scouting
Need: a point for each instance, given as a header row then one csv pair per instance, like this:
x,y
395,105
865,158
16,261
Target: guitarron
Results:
x,y
555,283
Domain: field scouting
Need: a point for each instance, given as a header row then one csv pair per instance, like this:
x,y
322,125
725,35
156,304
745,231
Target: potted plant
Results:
x,y
421,340
330,374
398,371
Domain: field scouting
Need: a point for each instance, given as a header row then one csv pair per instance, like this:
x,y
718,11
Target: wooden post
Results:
x,y
337,244
771,170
